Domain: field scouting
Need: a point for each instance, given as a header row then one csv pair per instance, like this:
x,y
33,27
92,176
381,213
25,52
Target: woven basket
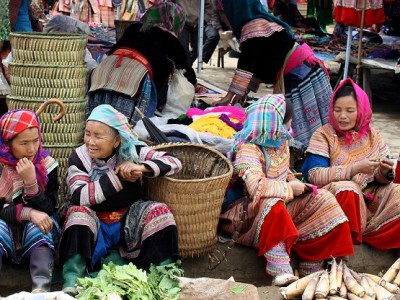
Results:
x,y
65,58
61,153
47,72
195,194
61,138
48,41
75,108
53,92
48,82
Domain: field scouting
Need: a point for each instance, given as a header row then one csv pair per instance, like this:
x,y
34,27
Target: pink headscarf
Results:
x,y
364,114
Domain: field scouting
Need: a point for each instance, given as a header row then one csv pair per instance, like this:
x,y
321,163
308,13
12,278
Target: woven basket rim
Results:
x,y
47,65
46,35
165,147
43,99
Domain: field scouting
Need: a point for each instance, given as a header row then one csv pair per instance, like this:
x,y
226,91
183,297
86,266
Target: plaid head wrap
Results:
x,y
108,115
264,123
11,124
364,113
165,15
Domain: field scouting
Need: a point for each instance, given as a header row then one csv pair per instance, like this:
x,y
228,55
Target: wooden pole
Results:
x,y
360,36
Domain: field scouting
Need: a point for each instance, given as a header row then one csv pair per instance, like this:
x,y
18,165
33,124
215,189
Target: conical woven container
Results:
x,y
194,195
48,48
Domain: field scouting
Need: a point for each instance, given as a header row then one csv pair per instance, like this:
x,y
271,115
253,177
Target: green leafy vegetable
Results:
x,y
128,282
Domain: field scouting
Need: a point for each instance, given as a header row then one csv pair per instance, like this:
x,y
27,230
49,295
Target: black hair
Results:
x,y
346,90
288,112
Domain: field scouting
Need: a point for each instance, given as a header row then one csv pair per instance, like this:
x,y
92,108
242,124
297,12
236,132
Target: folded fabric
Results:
x,y
232,111
237,126
214,125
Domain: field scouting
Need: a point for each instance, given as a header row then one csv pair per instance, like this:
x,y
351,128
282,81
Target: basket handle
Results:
x,y
44,105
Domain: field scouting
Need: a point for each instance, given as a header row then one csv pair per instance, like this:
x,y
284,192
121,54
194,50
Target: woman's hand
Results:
x,y
366,166
227,100
385,165
297,187
41,220
26,169
130,171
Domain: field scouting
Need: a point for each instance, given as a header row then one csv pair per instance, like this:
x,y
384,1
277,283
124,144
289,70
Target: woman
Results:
x,y
106,207
283,213
28,196
270,55
140,65
350,159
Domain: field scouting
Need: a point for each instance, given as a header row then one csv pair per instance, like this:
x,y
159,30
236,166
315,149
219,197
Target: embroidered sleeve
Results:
x,y
45,201
322,176
240,82
85,192
249,167
161,163
319,143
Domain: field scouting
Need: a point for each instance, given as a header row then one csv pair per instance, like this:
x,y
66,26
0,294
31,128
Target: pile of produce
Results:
x,y
342,282
128,282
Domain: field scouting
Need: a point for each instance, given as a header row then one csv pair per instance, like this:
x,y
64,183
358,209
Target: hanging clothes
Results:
x,y
348,12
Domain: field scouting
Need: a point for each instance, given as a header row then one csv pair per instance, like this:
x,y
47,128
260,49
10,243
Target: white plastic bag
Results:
x,y
4,87
179,96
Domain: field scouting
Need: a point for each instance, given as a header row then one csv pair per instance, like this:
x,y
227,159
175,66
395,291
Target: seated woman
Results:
x,y
106,207
141,63
349,158
28,197
283,213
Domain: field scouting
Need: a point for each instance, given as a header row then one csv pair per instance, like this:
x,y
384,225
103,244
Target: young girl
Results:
x,y
28,195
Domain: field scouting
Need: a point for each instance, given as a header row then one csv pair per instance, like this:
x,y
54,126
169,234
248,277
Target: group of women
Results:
x,y
349,197
105,215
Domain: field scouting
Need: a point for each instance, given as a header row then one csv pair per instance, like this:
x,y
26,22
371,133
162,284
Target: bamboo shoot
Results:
x,y
322,289
351,284
339,274
309,291
343,290
333,288
297,288
391,273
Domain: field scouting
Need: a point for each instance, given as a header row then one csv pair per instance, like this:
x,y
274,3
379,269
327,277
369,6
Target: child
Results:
x,y
28,196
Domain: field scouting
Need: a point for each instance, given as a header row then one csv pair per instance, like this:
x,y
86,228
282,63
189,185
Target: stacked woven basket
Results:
x,y
48,66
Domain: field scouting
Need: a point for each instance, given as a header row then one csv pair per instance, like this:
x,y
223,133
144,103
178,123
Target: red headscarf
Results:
x,y
13,123
364,113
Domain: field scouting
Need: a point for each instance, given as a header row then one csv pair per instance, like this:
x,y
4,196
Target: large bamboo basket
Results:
x,y
195,194
50,48
75,108
45,73
50,92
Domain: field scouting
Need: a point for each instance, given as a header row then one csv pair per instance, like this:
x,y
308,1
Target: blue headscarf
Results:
x,y
108,115
240,12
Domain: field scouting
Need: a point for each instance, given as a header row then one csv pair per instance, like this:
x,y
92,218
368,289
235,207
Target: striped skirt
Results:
x,y
310,97
32,238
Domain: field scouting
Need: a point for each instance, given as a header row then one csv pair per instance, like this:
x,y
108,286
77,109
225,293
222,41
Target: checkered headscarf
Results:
x,y
165,15
11,124
264,123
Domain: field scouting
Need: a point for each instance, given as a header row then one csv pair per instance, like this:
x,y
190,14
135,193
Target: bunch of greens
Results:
x,y
128,282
